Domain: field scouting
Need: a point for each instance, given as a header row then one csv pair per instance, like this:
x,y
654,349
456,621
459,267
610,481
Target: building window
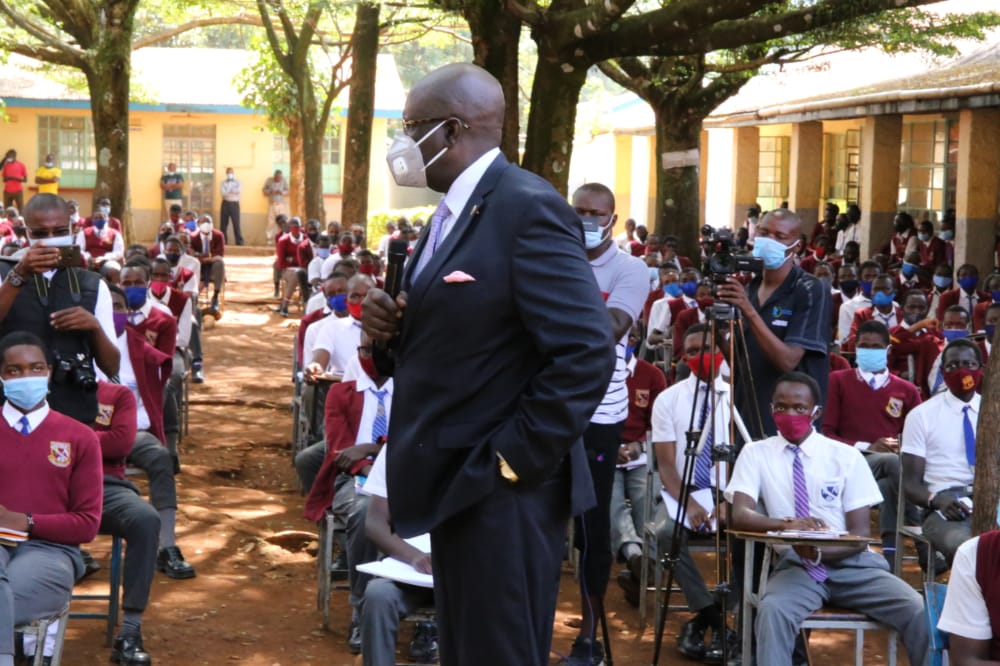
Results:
x,y
71,140
928,167
281,159
843,157
772,171
192,149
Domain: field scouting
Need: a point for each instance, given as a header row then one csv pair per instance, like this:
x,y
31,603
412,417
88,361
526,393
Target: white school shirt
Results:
x,y
364,384
838,479
340,338
12,416
184,322
847,311
126,375
672,418
965,613
935,431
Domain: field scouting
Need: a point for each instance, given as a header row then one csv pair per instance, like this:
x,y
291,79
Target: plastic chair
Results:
x,y
325,567
40,629
113,597
934,594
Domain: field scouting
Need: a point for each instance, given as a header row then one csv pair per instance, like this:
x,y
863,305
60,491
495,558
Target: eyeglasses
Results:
x,y
967,364
410,125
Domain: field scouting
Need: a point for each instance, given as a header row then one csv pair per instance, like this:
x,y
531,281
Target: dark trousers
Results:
x,y
149,455
231,211
127,515
592,530
15,199
195,345
496,575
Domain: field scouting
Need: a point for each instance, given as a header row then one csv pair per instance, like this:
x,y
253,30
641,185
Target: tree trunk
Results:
x,y
312,158
677,138
495,40
360,114
108,74
552,121
986,488
296,168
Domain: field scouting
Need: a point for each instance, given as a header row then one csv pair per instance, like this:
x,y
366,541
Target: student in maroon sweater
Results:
x,y
866,408
50,487
126,515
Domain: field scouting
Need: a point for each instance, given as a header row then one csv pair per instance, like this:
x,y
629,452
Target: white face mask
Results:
x,y
230,176
406,162
57,241
206,227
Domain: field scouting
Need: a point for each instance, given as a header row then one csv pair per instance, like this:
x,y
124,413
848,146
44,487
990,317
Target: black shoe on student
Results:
x,y
691,641
424,646
635,566
713,655
586,652
90,565
171,562
354,638
338,570
128,650
197,374
630,586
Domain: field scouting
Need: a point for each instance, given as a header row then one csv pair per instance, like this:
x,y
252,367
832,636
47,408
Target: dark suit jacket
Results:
x,y
515,362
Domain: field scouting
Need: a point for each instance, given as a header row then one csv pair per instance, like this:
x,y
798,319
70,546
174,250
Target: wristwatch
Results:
x,y
31,523
14,278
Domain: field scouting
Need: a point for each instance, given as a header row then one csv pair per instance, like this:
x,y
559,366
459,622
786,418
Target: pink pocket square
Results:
x,y
459,276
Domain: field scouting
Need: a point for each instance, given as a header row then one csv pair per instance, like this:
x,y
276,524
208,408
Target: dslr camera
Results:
x,y
74,370
721,261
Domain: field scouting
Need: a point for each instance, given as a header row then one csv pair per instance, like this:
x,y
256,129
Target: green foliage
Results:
x,y
377,219
265,87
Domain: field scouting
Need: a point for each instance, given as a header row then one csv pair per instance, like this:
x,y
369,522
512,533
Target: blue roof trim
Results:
x,y
231,109
627,104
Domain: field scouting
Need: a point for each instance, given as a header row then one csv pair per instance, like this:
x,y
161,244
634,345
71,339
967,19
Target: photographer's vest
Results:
x,y
31,311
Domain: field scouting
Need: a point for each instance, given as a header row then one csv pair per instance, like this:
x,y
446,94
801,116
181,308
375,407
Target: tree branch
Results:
x,y
69,55
272,38
173,31
529,13
337,84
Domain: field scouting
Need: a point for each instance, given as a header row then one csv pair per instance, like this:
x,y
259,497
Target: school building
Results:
x,y
186,109
886,132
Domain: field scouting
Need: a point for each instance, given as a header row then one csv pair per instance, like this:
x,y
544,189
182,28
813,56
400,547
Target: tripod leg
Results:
x,y
604,632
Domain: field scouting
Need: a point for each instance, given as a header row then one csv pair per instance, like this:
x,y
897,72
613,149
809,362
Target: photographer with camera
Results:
x,y
788,318
69,308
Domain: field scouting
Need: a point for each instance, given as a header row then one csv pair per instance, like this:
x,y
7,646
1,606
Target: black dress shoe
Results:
x,y
713,655
128,651
170,561
691,641
630,586
197,374
354,638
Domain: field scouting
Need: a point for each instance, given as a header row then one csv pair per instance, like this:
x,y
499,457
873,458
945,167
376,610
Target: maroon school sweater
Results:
x,y
54,473
115,426
855,412
644,384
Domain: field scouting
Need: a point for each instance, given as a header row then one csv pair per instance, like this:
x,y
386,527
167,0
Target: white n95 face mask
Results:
x,y
57,241
406,162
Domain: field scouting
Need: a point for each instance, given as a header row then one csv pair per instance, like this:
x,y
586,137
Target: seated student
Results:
x,y
628,494
941,282
862,298
939,449
357,420
805,481
883,309
166,230
971,604
916,338
103,206
691,316
294,252
932,250
866,409
912,275
126,515
386,602
990,327
184,276
671,421
658,319
666,274
846,281
321,252
99,242
145,371
822,251
965,294
50,466
955,325
209,246
992,286
338,339
333,292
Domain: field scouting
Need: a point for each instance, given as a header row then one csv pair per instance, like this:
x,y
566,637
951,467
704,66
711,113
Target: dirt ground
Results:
x,y
253,602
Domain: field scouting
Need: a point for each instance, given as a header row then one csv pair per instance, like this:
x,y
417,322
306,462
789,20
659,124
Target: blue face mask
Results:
x,y
996,296
191,225
968,283
322,252
654,274
908,269
337,303
871,360
882,299
99,223
954,333
135,297
942,281
924,237
673,290
26,392
990,330
629,350
689,288
947,235
771,252
866,288
593,234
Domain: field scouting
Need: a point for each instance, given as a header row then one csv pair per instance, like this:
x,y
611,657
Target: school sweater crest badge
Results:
x,y
59,454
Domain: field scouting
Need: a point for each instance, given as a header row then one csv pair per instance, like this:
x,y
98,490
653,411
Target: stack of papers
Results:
x,y
703,497
401,572
9,537
809,534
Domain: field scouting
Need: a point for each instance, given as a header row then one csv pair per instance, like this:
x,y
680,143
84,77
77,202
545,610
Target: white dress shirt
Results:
x,y
365,384
935,431
12,415
126,375
965,613
838,479
847,312
340,338
461,189
184,322
117,250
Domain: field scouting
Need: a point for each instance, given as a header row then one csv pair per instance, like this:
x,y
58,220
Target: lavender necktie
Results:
x,y
441,214
816,571
703,463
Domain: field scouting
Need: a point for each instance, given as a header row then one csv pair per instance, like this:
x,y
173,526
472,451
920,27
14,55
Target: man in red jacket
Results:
x,y
208,245
126,515
356,424
50,467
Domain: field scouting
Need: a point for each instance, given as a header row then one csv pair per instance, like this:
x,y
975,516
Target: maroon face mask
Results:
x,y
963,380
793,427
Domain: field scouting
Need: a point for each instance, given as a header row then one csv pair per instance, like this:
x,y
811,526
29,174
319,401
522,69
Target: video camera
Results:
x,y
721,262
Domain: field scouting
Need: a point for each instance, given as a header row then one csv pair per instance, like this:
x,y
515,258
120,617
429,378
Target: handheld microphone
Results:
x,y
382,354
395,259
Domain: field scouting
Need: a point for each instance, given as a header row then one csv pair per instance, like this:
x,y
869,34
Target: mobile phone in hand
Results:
x,y
69,257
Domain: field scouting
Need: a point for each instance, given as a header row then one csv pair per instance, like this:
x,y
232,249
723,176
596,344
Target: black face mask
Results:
x,y
313,236
165,235
900,227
